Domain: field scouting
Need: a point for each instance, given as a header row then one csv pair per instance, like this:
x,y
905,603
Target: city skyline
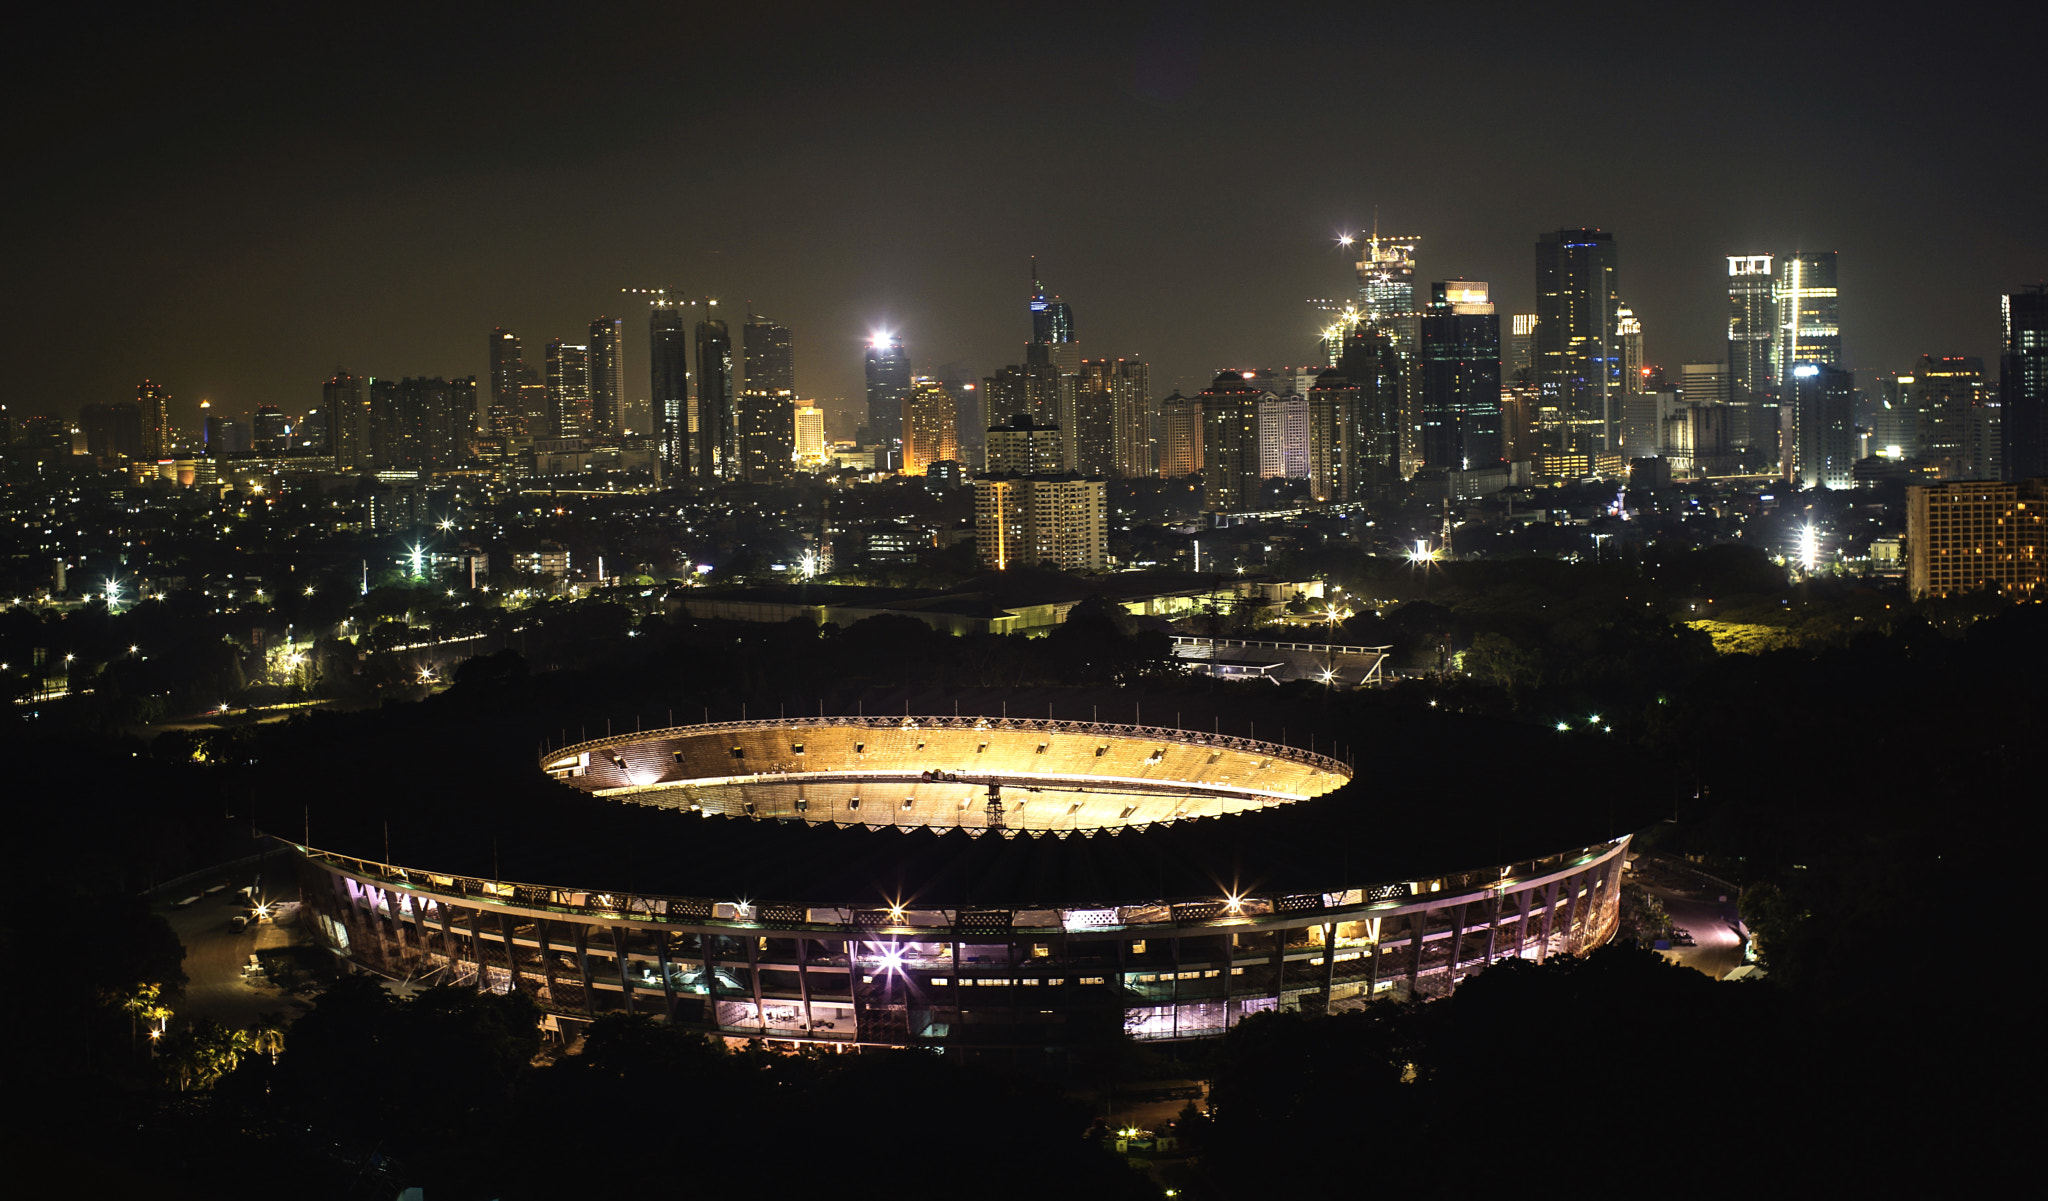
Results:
x,y
396,272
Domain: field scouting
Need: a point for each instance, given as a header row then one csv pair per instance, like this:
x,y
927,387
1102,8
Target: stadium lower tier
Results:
x,y
1037,978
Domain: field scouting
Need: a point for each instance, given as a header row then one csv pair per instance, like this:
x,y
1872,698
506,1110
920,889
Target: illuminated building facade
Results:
x,y
1283,436
770,355
1807,307
1021,446
568,382
931,426
1180,436
977,882
1458,378
810,435
1752,357
1952,416
2023,382
1332,405
1059,521
1370,363
1052,330
1974,535
1575,350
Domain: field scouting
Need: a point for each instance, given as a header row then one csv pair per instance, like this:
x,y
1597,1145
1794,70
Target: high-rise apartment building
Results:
x,y
931,426
718,449
1575,350
1059,521
1135,418
607,377
1458,378
1021,446
668,355
1180,436
568,383
505,416
1230,444
1283,436
1974,535
347,404
888,376
1093,425
1332,408
153,402
2023,382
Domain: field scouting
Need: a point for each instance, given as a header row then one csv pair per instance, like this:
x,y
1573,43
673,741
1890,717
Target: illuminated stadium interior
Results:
x,y
972,773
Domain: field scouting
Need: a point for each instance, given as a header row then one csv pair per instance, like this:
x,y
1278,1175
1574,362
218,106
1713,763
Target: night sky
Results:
x,y
233,207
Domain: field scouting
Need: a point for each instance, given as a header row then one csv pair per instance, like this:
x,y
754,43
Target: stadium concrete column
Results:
x,y
448,948
511,951
547,960
1522,925
1279,965
619,962
1418,926
1493,927
1329,962
1229,971
1457,945
583,968
803,982
1549,918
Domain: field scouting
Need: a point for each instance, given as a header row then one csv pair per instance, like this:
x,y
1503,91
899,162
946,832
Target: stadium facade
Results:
x,y
973,882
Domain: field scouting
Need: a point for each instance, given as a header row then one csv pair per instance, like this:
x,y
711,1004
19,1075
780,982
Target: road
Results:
x,y
1701,906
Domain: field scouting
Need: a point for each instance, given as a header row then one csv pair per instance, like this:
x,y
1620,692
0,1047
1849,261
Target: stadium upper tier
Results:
x,y
972,773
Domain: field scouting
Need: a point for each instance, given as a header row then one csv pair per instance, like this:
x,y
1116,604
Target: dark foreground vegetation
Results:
x,y
1869,784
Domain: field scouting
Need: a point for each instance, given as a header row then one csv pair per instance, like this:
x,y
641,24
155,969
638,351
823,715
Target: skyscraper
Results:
x,y
1752,349
769,356
1052,330
1386,289
568,383
1021,446
2023,382
270,431
718,452
888,373
1370,363
668,356
113,432
154,405
931,426
607,377
810,435
506,414
1807,310
1577,367
1230,444
1950,416
1459,378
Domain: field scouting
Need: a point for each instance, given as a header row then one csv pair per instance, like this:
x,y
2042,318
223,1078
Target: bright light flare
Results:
x,y
1345,239
1809,548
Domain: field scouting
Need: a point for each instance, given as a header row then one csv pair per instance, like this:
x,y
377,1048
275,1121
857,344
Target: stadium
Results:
x,y
987,881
